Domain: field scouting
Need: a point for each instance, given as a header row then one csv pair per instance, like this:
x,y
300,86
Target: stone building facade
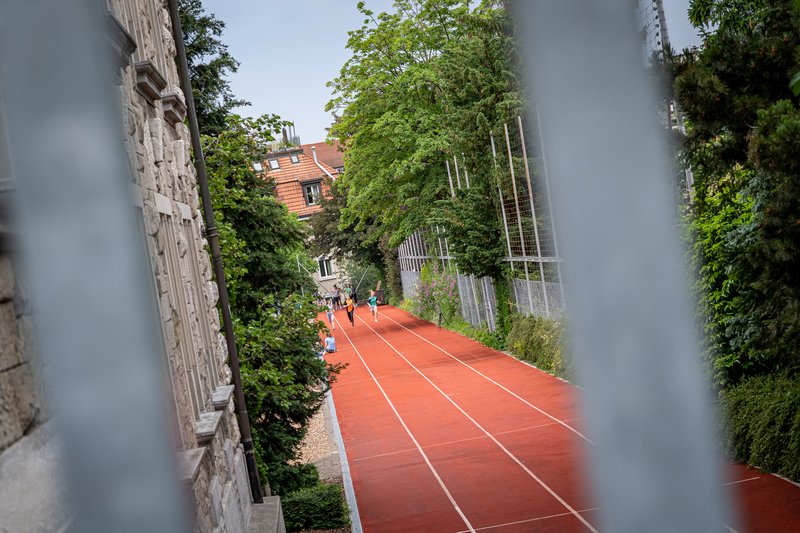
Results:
x,y
164,189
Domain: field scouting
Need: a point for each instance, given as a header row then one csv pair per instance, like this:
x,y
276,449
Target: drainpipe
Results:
x,y
216,256
314,154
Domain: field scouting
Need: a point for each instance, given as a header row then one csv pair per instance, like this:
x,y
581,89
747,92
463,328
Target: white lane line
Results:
x,y
411,436
495,526
487,378
406,450
536,478
740,481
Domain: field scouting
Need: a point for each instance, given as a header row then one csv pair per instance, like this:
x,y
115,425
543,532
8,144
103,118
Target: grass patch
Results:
x,y
541,342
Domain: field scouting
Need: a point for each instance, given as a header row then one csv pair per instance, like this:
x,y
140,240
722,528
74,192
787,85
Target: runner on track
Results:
x,y
351,310
331,321
373,305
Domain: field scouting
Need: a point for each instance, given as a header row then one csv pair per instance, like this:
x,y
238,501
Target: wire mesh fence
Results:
x,y
519,169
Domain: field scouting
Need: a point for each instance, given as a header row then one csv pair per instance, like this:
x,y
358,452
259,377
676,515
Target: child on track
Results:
x,y
373,305
351,309
330,343
331,321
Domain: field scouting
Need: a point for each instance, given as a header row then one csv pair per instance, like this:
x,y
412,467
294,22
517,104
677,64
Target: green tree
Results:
x,y
210,63
276,329
425,82
742,144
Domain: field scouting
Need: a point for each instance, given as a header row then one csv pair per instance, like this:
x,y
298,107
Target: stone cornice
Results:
x,y
149,82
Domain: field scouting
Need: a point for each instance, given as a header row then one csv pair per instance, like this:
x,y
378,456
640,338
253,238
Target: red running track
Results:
x,y
446,435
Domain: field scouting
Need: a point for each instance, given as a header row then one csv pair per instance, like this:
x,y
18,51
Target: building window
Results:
x,y
258,167
325,268
311,193
295,158
273,164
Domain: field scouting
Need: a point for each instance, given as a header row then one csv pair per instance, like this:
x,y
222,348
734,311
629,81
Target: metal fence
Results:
x,y
528,230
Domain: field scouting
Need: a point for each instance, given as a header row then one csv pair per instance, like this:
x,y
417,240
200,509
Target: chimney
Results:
x,y
314,153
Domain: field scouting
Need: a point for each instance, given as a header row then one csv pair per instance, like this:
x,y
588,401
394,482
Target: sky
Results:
x,y
289,49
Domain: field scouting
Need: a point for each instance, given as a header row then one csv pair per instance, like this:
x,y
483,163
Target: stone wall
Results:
x,y
164,180
164,188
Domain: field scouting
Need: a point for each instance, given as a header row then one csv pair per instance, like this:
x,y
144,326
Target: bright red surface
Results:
x,y
395,488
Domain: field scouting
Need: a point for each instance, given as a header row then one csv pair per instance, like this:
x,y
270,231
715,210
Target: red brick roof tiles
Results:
x,y
291,177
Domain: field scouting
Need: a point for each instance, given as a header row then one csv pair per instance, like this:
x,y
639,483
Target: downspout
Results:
x,y
216,256
314,154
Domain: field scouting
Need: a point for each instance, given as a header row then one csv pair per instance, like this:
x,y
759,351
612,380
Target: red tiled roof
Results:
x,y
330,154
290,178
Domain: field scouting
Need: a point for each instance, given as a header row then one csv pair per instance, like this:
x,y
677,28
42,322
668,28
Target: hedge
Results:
x,y
540,341
762,423
319,507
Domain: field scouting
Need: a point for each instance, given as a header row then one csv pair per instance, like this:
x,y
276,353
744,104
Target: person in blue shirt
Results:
x,y
330,344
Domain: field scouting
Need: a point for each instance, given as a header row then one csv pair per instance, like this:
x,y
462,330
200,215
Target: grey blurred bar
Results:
x,y
83,255
646,404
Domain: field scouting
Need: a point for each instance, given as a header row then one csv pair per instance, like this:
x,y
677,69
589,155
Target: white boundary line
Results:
x,y
411,435
347,480
406,450
487,378
531,520
536,478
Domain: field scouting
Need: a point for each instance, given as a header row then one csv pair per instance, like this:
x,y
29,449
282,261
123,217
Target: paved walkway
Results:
x,y
445,435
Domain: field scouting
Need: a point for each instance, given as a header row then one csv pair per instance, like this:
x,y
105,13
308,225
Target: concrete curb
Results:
x,y
347,481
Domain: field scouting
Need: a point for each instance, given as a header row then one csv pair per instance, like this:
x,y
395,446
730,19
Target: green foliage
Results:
x,y
284,380
424,82
437,292
355,271
475,240
276,330
763,422
209,65
318,507
540,341
742,144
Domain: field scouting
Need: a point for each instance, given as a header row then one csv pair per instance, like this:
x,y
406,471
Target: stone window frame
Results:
x,y
201,308
178,302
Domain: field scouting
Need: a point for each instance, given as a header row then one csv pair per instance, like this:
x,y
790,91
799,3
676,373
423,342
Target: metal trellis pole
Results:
x,y
533,215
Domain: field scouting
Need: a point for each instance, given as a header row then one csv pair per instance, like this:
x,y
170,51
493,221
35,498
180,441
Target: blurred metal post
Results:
x,y
646,403
83,255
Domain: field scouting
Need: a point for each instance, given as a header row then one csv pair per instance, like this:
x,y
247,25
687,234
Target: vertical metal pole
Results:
x,y
441,252
216,255
519,218
86,268
302,289
458,177
505,221
647,406
533,215
546,173
466,172
450,179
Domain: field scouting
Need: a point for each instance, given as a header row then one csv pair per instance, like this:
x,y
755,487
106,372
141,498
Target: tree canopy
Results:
x,y
425,82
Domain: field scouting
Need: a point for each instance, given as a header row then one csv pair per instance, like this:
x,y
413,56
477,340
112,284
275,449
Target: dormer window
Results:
x,y
258,167
295,158
273,164
311,193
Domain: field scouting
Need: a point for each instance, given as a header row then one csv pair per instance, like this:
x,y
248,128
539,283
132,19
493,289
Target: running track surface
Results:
x,y
446,435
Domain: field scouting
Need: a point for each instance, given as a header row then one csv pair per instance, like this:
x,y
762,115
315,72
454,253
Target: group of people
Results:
x,y
339,296
329,345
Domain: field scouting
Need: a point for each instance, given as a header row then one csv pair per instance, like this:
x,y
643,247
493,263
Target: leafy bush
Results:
x,y
540,341
437,291
762,422
319,507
